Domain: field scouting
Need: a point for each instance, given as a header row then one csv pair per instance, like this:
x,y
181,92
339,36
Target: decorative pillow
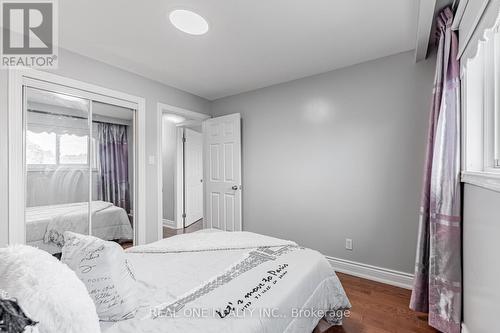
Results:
x,y
106,273
46,290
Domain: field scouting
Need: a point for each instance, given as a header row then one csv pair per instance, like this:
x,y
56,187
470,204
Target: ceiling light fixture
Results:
x,y
176,119
188,22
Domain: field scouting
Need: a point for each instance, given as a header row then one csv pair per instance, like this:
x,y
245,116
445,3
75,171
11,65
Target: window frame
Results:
x,y
489,106
496,93
481,113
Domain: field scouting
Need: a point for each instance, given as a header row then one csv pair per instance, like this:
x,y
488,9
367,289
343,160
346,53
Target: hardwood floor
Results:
x,y
379,308
126,245
169,232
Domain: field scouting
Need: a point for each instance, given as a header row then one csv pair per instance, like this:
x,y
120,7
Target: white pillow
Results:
x,y
47,291
106,273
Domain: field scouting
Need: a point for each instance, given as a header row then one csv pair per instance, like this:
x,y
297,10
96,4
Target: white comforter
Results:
x,y
211,241
230,282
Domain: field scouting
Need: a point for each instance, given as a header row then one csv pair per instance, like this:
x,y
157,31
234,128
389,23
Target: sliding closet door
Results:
x,y
57,167
113,172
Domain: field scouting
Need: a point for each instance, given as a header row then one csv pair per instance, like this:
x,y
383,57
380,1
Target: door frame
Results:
x,y
184,165
167,108
16,183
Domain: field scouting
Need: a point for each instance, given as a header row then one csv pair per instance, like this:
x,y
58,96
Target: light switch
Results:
x,y
348,244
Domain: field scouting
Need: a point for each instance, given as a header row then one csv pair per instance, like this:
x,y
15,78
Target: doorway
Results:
x,y
180,170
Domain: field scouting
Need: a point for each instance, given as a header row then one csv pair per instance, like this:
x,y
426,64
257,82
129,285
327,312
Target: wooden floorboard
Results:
x,y
379,308
169,232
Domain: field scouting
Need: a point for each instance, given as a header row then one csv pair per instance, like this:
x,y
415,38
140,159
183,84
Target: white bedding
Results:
x,y
210,241
198,285
108,222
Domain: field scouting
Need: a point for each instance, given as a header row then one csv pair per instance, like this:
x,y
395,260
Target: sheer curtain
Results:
x,y
113,162
438,273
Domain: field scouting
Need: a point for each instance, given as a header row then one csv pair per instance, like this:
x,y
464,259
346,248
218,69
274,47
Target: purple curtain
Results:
x,y
437,286
113,165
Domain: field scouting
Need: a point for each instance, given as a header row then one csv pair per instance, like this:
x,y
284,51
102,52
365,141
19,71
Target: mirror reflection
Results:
x,y
79,169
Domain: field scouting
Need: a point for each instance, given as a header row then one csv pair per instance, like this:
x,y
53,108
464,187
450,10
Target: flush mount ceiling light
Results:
x,y
176,119
188,22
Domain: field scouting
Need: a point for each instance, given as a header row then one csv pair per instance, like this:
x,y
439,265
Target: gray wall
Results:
x,y
328,157
169,152
88,70
338,155
481,264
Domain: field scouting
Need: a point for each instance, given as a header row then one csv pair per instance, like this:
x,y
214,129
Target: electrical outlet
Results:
x,y
348,244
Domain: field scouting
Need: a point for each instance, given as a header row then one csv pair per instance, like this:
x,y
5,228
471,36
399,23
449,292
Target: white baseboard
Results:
x,y
374,273
464,328
169,223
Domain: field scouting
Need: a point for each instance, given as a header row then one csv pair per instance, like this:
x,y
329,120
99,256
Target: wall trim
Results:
x,y
489,181
426,15
178,179
169,223
374,273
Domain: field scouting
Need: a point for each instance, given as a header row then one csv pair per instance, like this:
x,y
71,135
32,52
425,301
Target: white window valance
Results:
x,y
480,80
474,18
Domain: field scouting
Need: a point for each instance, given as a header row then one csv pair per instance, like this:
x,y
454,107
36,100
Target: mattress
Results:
x,y
230,288
109,222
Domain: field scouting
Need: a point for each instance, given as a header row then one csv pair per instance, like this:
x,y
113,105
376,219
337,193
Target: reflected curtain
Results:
x,y
113,164
437,286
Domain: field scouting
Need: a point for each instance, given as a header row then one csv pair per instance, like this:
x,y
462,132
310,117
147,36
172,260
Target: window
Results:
x,y
491,94
50,149
481,113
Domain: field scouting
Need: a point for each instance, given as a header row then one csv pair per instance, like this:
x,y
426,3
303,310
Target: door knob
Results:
x,y
235,187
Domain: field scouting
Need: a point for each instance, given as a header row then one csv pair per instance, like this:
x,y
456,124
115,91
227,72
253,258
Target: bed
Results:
x,y
214,281
46,224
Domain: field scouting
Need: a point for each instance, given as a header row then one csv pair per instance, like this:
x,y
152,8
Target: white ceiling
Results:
x,y
250,44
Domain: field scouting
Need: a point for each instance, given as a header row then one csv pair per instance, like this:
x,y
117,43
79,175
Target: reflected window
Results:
x,y
49,148
41,148
72,149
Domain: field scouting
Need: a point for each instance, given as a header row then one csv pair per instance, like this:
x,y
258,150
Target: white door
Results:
x,y
193,159
222,169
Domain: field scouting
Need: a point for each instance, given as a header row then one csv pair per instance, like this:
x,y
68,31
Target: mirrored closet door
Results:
x,y
79,167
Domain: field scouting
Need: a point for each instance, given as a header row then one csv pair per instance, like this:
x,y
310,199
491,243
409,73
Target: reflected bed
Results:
x,y
109,222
